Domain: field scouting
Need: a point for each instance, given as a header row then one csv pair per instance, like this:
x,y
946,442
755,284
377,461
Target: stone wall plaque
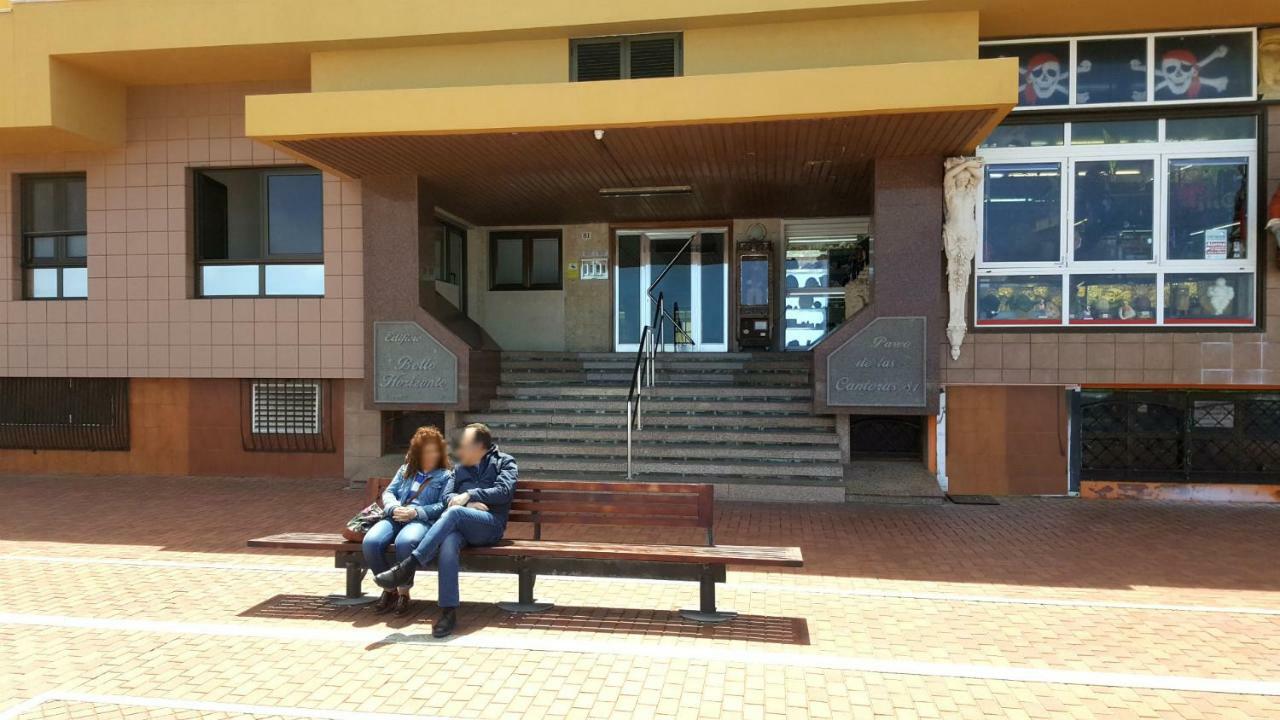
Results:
x,y
883,365
411,367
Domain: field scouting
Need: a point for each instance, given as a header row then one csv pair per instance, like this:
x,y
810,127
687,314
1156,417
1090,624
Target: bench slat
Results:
x,y
687,554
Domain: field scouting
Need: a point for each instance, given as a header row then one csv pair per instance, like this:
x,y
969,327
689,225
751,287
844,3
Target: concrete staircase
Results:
x,y
739,420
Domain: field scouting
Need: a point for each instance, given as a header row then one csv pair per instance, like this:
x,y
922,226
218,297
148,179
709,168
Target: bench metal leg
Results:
x,y
355,592
706,612
526,603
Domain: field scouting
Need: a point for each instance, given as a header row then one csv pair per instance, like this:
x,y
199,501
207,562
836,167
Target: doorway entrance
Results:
x,y
689,268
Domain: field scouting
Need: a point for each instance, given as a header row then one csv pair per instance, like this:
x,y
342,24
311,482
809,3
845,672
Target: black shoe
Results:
x,y
402,606
400,575
386,601
445,625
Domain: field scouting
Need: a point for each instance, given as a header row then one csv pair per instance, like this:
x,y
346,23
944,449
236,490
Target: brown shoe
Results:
x,y
386,601
402,605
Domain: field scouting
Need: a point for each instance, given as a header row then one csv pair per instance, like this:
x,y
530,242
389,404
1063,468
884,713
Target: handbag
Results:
x,y
359,526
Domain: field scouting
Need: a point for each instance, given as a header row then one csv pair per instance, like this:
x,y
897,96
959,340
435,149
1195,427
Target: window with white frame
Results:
x,y
1148,221
1125,70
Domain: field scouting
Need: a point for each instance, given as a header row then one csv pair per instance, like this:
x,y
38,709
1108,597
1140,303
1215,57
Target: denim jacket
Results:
x,y
430,501
492,482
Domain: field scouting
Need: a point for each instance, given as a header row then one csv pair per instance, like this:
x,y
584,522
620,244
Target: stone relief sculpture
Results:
x,y
960,238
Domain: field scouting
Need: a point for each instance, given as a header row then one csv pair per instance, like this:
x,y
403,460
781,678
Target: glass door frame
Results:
x,y
648,274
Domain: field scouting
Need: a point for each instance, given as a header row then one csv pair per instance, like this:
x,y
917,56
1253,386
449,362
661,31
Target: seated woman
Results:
x,y
412,501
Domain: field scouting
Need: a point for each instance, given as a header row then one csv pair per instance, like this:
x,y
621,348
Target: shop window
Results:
x,y
1199,298
1152,68
1023,213
259,232
524,260
1149,223
287,415
1208,208
54,237
1113,299
1113,210
827,273
64,413
626,57
1020,300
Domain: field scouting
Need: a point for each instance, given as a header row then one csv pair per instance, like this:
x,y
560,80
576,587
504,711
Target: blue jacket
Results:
x,y
430,501
492,482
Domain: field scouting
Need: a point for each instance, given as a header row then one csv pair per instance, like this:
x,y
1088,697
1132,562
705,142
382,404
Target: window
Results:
x,y
827,276
626,57
259,232
451,254
1158,68
64,413
287,416
524,260
1120,222
55,245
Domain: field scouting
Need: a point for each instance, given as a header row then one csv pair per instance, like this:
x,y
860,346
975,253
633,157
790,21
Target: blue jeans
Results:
x,y
406,537
457,528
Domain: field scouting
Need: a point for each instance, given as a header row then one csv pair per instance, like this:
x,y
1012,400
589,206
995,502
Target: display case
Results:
x,y
1019,300
1113,299
1209,299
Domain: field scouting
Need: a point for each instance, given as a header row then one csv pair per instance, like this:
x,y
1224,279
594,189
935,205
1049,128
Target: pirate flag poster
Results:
x,y
1043,71
1196,67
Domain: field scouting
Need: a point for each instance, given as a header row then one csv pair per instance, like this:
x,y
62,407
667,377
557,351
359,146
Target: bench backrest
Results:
x,y
633,504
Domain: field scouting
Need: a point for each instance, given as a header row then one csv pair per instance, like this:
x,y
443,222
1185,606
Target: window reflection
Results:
x,y
294,279
229,280
1113,210
1208,208
1022,213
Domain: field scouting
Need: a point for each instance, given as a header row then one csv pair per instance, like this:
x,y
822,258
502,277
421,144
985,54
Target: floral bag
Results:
x,y
359,526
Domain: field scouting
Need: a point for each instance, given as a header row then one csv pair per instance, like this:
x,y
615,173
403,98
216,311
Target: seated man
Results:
x,y
484,481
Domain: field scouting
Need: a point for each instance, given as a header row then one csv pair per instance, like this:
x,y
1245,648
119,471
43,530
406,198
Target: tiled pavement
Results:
x,y
129,597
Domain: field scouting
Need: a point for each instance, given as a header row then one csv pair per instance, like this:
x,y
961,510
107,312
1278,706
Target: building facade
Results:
x,y
265,238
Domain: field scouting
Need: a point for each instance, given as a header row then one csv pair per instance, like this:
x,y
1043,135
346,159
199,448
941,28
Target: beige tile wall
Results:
x,y
1250,358
140,318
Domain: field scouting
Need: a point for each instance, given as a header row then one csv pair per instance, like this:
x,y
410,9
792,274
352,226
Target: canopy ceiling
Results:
x,y
778,168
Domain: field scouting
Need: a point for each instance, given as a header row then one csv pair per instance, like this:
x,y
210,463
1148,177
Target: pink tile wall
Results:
x,y
1167,358
141,319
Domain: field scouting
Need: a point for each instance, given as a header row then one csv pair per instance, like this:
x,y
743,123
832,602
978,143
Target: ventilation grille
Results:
x,y
287,415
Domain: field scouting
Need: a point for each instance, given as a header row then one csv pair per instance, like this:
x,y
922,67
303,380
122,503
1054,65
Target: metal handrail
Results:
x,y
642,375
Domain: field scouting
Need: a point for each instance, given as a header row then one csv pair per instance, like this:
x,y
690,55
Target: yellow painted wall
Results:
x,y
728,49
496,63
831,43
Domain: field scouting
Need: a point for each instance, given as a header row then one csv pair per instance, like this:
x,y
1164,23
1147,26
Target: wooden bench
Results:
x,y
620,504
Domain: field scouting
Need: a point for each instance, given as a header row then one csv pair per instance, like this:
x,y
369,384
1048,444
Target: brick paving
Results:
x,y
138,592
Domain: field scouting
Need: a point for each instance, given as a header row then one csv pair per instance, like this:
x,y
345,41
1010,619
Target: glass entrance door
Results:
x,y
690,269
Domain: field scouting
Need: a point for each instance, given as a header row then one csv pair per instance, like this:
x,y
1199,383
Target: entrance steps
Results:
x,y
739,420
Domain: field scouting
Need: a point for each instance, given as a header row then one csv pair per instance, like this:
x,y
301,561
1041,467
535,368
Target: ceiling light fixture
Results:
x,y
646,191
